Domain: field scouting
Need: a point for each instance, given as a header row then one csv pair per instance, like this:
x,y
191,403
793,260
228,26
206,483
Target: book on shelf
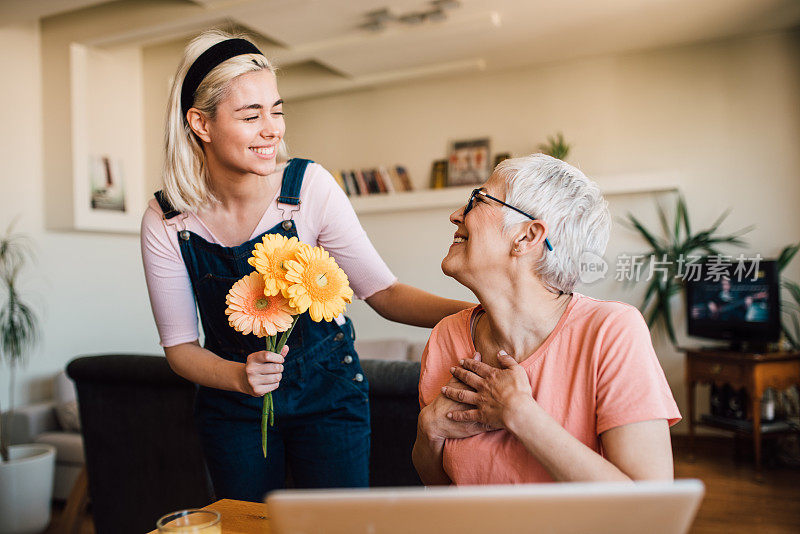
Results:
x,y
386,179
345,183
361,183
350,180
404,179
372,183
380,180
395,178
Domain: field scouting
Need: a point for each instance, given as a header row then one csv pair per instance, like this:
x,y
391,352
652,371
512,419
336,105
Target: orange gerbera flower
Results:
x,y
269,259
250,310
317,284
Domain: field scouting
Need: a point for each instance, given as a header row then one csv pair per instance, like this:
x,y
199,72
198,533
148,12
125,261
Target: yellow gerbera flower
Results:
x,y
249,310
269,257
317,284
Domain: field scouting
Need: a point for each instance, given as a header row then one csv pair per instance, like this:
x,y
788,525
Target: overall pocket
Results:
x,y
340,382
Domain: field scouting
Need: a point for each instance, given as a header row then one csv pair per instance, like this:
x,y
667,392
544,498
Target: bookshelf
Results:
x,y
453,197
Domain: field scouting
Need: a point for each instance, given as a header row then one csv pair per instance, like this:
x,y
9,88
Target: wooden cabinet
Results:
x,y
755,372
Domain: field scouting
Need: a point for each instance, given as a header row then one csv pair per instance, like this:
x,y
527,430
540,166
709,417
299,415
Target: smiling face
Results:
x,y
243,136
480,247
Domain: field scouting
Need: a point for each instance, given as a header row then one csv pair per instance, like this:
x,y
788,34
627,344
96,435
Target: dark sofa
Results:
x,y
143,455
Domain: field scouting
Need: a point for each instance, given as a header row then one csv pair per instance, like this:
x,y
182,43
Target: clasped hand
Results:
x,y
263,372
437,426
496,394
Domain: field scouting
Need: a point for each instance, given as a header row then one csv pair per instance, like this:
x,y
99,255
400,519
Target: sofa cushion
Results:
x,y
68,417
66,403
394,407
392,379
415,350
69,446
382,349
64,388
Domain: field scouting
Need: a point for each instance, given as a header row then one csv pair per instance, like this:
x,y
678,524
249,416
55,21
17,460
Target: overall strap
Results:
x,y
292,181
166,207
171,216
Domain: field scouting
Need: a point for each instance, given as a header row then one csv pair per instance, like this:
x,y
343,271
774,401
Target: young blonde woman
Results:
x,y
226,184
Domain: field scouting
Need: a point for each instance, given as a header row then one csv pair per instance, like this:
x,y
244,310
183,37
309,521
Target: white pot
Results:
x,y
26,487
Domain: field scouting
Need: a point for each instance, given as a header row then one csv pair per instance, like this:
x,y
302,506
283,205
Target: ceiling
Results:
x,y
321,48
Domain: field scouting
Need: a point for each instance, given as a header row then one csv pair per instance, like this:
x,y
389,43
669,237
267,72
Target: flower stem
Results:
x,y
268,408
265,417
267,412
285,336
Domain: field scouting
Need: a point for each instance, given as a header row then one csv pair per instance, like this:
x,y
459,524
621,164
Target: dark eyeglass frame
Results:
x,y
476,192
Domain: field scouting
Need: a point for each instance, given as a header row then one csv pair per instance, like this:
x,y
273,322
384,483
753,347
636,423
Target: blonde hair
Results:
x,y
185,174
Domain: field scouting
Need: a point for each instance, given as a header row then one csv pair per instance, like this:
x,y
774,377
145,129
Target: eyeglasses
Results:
x,y
479,192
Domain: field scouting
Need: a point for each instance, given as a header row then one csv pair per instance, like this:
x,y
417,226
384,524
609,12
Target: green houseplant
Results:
x,y
19,327
26,470
790,307
676,243
556,147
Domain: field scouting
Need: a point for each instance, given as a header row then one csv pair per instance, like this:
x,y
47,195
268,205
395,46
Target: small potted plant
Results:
x,y
26,470
556,147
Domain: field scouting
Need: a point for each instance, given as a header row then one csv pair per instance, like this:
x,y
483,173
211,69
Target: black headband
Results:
x,y
206,62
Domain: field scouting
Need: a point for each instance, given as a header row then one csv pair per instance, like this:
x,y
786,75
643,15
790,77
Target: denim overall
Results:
x,y
321,430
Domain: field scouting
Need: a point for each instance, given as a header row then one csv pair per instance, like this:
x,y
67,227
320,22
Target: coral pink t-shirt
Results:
x,y
597,370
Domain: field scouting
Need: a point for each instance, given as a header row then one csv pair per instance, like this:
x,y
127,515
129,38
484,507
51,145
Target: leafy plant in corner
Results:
x,y
790,308
556,147
671,250
19,326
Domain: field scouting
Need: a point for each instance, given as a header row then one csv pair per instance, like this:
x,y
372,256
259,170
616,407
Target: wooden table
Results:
x,y
240,517
753,371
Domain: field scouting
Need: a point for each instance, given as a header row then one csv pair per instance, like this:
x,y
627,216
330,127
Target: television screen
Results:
x,y
737,302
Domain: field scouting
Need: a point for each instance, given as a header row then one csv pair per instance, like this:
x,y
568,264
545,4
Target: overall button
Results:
x,y
185,235
358,378
348,359
287,225
339,336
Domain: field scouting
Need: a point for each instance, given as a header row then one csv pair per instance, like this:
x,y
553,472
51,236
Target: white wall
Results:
x,y
723,115
88,288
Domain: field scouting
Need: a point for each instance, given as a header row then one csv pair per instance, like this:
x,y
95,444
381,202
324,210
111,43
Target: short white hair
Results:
x,y
185,171
571,204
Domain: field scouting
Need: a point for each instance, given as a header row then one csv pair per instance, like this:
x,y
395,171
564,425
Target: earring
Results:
x,y
516,249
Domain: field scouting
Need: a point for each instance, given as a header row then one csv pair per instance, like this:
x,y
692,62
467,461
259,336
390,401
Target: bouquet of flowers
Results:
x,y
291,278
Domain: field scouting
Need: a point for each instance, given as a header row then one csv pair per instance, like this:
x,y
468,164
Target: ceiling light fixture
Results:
x,y
445,4
380,19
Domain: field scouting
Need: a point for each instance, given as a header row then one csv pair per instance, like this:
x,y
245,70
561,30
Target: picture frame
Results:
x,y
107,184
468,162
107,159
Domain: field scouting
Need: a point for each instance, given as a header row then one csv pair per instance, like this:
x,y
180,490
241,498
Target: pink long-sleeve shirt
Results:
x,y
325,218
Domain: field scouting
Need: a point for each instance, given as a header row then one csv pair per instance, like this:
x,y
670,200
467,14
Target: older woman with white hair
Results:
x,y
538,383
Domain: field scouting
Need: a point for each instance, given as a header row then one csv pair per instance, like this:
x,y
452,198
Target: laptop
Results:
x,y
579,508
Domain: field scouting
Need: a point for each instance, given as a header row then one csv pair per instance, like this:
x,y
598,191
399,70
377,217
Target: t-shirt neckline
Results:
x,y
533,358
257,227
